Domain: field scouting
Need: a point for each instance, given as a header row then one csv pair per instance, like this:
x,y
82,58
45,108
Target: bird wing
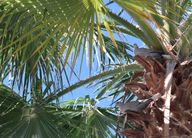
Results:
x,y
140,105
131,106
147,52
137,106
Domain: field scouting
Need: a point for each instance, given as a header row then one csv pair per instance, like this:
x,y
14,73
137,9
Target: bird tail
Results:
x,y
156,96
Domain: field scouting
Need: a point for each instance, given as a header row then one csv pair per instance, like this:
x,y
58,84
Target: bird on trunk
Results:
x,y
137,106
145,52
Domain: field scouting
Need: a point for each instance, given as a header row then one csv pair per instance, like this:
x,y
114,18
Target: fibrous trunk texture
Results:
x,y
152,121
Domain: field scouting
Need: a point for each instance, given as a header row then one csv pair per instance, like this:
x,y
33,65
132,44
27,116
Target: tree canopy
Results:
x,y
42,41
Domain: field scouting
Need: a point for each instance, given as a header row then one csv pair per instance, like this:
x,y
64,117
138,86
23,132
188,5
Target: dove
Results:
x,y
147,52
137,106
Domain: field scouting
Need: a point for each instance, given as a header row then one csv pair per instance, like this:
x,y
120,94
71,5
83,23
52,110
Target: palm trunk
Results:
x,y
171,115
170,65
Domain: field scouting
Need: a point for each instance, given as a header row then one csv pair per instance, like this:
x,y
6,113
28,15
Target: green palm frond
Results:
x,y
124,68
73,119
10,108
69,22
91,121
21,119
33,121
113,87
38,38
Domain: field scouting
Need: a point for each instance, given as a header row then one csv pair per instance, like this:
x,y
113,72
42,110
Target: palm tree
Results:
x,y
76,118
164,74
39,37
34,62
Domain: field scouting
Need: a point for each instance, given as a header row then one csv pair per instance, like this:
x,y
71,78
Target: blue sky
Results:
x,y
84,90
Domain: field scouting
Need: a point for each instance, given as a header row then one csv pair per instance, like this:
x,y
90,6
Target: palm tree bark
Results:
x,y
170,65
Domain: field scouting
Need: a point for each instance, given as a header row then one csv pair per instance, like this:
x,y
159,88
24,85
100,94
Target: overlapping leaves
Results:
x,y
75,118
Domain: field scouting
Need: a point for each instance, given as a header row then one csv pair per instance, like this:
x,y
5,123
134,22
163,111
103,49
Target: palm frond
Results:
x,y
132,67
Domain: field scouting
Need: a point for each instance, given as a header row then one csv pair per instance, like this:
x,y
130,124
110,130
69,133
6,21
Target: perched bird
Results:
x,y
137,106
147,52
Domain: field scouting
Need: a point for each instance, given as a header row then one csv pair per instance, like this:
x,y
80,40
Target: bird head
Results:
x,y
135,46
118,104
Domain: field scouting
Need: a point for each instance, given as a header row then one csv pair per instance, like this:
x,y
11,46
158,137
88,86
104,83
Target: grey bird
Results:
x,y
147,52
137,106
